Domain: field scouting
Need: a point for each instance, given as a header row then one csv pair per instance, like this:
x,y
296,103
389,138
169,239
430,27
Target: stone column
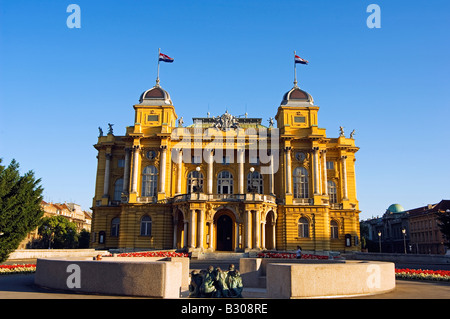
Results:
x,y
257,230
179,171
126,171
325,178
274,235
162,173
316,171
326,221
185,234
191,237
344,176
201,221
271,176
211,235
247,224
263,234
288,170
107,171
240,153
135,168
210,172
237,236
175,230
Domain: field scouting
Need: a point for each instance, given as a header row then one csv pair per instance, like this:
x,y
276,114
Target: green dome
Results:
x,y
396,208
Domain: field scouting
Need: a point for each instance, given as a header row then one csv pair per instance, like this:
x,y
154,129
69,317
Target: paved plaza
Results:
x,y
21,286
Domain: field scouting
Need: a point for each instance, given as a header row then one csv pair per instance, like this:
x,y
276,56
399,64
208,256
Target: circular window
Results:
x,y
151,155
300,156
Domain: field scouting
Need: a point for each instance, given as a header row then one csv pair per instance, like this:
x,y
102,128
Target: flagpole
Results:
x,y
295,72
157,76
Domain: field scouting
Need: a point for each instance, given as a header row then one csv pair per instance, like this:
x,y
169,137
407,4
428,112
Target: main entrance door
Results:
x,y
224,238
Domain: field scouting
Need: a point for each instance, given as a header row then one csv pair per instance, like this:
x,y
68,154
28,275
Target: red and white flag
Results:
x,y
165,58
300,60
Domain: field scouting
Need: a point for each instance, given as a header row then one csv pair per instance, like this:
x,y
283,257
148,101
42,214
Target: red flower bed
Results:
x,y
154,254
423,274
290,256
17,269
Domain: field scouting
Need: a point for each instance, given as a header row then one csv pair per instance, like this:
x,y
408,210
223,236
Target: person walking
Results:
x,y
299,252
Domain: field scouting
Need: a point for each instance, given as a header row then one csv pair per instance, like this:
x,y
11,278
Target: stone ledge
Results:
x,y
131,277
352,278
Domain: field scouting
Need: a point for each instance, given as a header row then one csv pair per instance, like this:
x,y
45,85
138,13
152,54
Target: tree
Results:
x,y
364,234
444,224
58,232
84,238
20,207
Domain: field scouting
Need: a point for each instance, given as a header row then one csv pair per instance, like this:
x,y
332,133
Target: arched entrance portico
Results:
x,y
180,230
224,222
269,230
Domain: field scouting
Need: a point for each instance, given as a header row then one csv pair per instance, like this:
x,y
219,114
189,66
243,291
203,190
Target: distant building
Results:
x,y
388,230
71,211
426,237
416,230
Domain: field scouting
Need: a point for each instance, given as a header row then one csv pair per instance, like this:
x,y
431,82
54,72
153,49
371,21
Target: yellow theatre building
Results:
x,y
225,183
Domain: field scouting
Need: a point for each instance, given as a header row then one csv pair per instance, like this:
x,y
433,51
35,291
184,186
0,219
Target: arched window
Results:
x,y
101,237
332,192
303,227
255,180
118,188
115,224
149,181
225,183
194,182
146,226
301,187
334,230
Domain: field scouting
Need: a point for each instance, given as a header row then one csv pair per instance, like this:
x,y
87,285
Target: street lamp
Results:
x,y
379,239
404,238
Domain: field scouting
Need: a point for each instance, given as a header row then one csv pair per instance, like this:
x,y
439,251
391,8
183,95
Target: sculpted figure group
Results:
x,y
216,283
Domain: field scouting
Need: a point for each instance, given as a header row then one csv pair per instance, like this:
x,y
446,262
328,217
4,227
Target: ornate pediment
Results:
x,y
226,122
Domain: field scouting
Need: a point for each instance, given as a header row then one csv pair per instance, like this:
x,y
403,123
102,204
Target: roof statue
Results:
x,y
225,122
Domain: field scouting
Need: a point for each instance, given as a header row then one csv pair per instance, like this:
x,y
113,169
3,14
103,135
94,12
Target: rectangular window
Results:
x,y
330,165
254,160
196,160
334,230
153,118
299,119
121,163
226,160
303,230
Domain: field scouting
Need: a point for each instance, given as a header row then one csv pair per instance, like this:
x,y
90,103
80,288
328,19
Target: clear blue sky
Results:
x,y
57,85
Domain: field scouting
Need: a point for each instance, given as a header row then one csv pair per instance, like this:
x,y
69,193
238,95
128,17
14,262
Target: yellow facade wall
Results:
x,y
171,206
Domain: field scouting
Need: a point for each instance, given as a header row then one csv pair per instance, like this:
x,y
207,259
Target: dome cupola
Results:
x,y
395,208
155,96
297,97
